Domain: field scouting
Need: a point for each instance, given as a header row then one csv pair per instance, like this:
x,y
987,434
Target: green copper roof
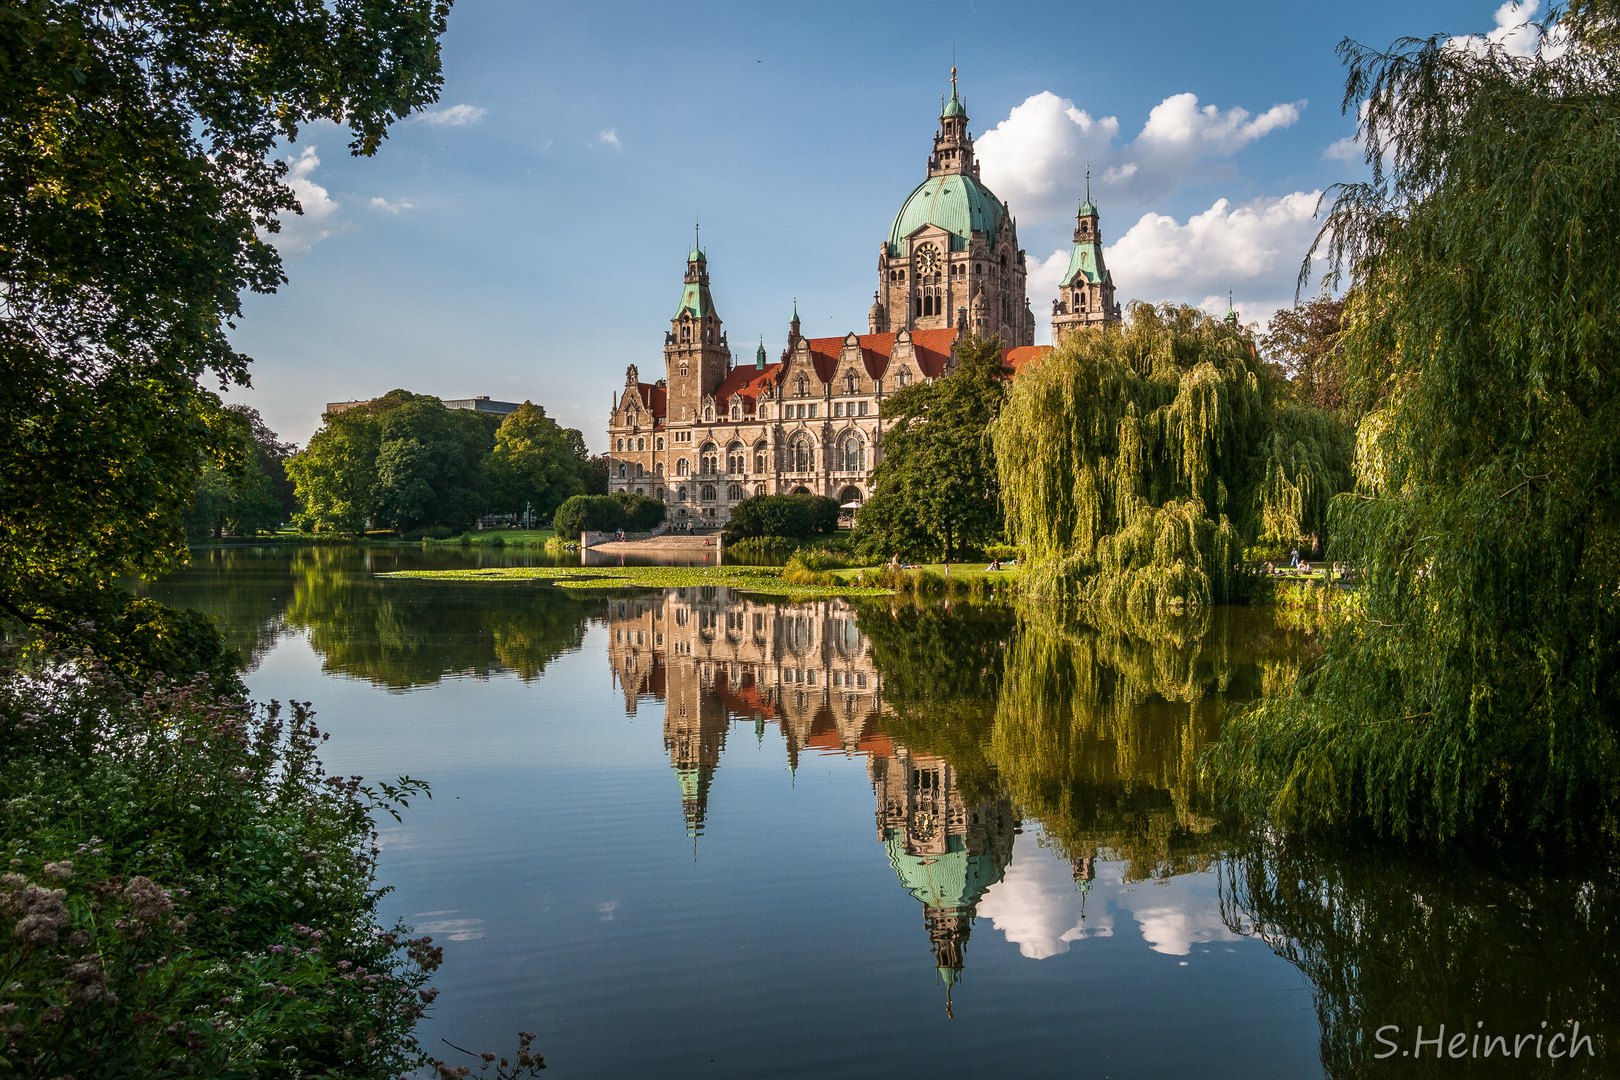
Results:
x,y
1087,209
956,203
696,255
696,299
953,880
953,107
1086,262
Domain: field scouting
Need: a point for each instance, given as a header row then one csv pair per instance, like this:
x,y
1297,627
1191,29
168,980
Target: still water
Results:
x,y
696,833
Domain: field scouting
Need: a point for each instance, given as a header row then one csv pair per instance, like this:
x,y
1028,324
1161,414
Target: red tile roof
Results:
x,y
1024,356
749,381
933,348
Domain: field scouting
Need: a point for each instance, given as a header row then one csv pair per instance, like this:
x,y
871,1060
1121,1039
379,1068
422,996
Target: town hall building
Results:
x,y
713,432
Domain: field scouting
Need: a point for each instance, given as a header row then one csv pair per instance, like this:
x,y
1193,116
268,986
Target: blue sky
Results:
x,y
526,238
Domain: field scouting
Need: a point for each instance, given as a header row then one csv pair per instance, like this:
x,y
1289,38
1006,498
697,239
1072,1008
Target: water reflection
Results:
x,y
1035,795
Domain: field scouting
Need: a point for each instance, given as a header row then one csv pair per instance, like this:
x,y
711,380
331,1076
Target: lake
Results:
x,y
697,833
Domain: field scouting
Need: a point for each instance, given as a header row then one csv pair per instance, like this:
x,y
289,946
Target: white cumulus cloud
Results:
x,y
302,231
609,137
1037,906
453,115
1037,157
1515,33
380,203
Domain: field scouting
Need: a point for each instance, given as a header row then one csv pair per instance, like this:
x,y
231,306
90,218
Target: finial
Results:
x,y
1088,181
697,235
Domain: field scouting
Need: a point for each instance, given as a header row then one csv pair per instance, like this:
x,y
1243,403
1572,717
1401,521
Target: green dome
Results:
x,y
1087,210
696,254
956,203
954,107
956,879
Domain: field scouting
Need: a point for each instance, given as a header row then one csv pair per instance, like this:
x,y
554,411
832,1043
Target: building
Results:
x,y
482,404
713,432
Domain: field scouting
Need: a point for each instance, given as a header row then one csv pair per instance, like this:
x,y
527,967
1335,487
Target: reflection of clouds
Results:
x,y
606,909
451,929
1037,905
396,839
1178,913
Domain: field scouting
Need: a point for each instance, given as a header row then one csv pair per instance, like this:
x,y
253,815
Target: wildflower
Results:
x,y
148,901
61,871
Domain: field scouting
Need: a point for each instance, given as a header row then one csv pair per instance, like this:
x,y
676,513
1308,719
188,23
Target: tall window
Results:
x,y
711,459
640,471
854,455
804,386
681,467
641,444
708,493
623,471
735,493
759,463
736,458
658,468
736,411
850,382
621,445
804,458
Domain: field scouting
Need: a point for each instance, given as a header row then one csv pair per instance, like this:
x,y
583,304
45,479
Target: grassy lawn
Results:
x,y
754,579
959,571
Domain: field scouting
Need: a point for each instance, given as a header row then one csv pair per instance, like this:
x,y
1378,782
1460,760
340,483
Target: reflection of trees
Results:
x,y
941,668
244,590
1392,938
402,634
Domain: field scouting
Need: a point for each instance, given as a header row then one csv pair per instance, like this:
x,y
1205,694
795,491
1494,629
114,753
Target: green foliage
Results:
x,y
257,497
404,461
1304,339
1137,463
794,516
191,895
136,166
536,464
641,514
1479,695
937,488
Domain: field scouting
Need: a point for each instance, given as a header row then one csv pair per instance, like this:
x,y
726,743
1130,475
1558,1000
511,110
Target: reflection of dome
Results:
x,y
956,202
956,879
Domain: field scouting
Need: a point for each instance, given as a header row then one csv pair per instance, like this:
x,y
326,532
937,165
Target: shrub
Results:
x,y
641,514
589,513
794,516
186,884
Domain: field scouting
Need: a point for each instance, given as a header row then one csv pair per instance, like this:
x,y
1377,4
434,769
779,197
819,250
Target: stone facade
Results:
x,y
712,432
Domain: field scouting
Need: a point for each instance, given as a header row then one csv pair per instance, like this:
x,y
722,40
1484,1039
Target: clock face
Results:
x,y
928,259
923,826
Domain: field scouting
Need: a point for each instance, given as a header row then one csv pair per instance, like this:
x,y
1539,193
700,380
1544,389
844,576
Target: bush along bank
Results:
x,y
187,893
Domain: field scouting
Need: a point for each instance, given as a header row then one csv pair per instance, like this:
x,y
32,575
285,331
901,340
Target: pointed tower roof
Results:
x,y
759,362
1087,209
695,297
953,107
1086,258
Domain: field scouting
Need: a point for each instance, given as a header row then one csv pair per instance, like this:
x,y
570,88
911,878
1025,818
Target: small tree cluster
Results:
x,y
607,513
792,516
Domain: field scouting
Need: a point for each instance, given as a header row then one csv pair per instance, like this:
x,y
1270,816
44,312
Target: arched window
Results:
x,y
849,495
658,468
759,489
804,457
851,383
710,459
621,445
735,493
708,493
736,411
903,378
708,414
640,471
682,497
623,471
641,444
759,463
660,444
854,455
804,386
681,467
736,458
686,333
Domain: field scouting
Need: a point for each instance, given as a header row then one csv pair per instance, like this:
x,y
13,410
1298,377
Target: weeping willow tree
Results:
x,y
1480,694
1138,463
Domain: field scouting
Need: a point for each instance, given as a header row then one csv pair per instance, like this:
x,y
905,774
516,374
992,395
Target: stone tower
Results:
x,y
1086,295
696,357
952,241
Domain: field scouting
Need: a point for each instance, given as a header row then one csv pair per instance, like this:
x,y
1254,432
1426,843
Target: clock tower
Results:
x,y
695,354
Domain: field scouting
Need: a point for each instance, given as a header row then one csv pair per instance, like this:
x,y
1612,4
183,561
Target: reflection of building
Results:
x,y
945,852
712,654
